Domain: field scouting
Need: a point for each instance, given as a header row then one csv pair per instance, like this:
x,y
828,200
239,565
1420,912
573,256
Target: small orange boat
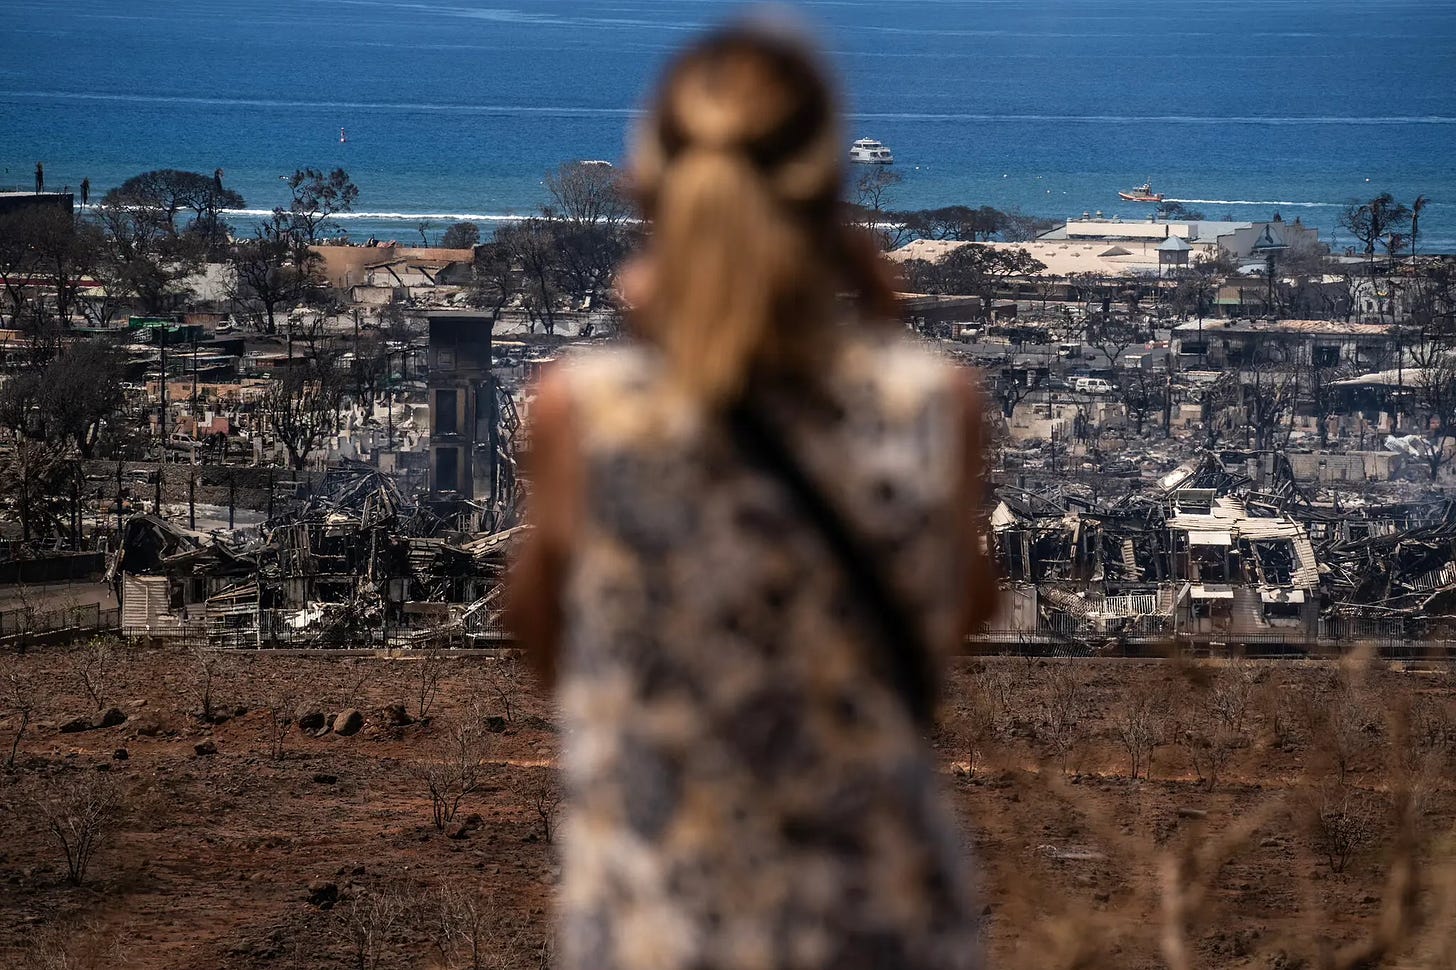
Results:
x,y
1143,193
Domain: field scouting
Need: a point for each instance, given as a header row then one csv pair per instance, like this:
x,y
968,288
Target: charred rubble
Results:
x,y
351,565
1208,555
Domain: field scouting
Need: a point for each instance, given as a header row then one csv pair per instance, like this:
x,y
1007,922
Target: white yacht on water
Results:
x,y
867,151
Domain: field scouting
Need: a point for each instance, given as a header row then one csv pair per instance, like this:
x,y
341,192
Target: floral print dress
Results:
x,y
746,791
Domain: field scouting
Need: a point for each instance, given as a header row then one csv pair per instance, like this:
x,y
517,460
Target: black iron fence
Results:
x,y
19,624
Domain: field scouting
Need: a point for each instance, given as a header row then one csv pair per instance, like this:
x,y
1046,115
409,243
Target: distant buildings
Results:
x,y
1118,248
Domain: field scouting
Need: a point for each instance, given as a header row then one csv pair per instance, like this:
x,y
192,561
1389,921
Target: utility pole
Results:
x,y
162,407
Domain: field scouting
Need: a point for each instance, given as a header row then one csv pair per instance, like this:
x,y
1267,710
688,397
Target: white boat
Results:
x,y
867,151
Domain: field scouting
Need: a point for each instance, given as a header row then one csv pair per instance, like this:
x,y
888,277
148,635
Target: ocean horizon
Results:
x,y
455,110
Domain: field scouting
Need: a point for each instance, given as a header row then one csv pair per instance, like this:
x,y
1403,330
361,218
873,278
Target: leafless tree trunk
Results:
x,y
17,703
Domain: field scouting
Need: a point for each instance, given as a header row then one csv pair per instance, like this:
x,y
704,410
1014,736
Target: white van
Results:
x,y
1091,385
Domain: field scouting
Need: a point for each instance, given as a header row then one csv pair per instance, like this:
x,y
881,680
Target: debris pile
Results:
x,y
350,565
1202,554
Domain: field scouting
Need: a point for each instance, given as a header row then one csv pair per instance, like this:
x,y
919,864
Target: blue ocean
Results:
x,y
455,108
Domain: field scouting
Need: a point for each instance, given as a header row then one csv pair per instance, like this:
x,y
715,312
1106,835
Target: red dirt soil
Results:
x,y
211,866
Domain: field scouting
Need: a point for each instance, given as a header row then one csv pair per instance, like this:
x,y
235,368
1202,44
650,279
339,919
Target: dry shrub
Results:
x,y
279,707
17,703
1342,823
505,679
350,681
977,716
1139,726
1336,723
372,924
75,947
1282,712
454,766
80,811
211,675
1210,731
1060,705
426,672
96,668
473,931
541,790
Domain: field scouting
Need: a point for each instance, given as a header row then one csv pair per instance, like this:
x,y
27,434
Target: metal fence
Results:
x,y
1292,645
91,618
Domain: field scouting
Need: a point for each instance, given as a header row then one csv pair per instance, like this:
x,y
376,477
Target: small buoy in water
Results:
x,y
342,137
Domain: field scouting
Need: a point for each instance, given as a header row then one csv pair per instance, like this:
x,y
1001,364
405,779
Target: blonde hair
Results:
x,y
739,170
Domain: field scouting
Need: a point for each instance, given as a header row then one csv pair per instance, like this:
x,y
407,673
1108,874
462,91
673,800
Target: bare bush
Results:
x,y
1431,726
1209,737
505,679
1139,726
973,722
427,672
1342,823
1336,723
208,677
541,790
1281,714
279,707
455,766
369,924
96,668
80,812
350,683
17,704
473,932
999,682
1060,705
74,947
1232,689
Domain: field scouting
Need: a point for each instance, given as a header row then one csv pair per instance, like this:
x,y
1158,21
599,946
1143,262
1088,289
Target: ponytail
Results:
x,y
738,285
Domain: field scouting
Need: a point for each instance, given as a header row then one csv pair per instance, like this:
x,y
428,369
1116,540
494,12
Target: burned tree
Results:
x,y
273,272
1269,387
317,197
981,270
587,194
144,259
870,196
1143,394
1373,221
1433,389
301,406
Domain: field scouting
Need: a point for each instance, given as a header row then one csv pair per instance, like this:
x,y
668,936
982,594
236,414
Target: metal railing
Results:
x,y
90,618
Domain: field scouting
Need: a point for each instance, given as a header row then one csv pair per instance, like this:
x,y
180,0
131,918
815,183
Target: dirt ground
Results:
x,y
325,854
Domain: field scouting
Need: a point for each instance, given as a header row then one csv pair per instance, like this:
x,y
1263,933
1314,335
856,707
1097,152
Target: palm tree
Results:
x,y
1417,208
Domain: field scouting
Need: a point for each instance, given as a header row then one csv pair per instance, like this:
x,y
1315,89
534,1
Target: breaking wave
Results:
x,y
396,216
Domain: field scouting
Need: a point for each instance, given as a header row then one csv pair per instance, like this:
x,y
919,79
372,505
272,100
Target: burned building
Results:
x,y
1187,557
467,410
351,565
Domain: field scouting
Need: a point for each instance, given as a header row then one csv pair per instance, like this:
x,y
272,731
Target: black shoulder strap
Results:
x,y
907,657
